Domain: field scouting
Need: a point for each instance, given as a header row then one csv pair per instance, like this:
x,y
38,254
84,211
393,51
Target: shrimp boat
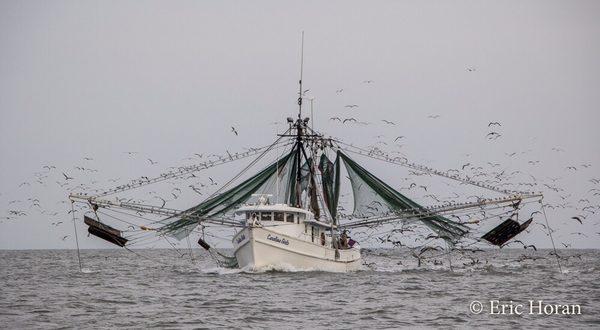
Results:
x,y
278,235
288,214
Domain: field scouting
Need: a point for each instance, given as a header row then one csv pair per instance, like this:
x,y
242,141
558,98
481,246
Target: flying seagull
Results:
x,y
493,135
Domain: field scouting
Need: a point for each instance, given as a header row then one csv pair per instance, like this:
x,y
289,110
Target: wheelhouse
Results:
x,y
277,216
274,213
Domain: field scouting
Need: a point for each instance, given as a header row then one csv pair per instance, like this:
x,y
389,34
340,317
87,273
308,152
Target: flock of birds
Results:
x,y
497,174
583,208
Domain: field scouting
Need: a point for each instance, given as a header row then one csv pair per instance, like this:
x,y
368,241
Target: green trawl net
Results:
x,y
372,197
330,175
273,180
305,178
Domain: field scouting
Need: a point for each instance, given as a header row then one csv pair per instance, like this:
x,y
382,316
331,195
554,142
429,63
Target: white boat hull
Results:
x,y
258,248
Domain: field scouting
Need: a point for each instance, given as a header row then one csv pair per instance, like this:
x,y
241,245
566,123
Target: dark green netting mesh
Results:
x,y
330,177
305,178
308,184
272,180
373,197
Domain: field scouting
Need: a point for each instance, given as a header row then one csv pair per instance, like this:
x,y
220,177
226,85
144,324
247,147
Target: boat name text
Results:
x,y
278,240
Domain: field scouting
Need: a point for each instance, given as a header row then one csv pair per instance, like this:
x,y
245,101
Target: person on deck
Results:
x,y
344,240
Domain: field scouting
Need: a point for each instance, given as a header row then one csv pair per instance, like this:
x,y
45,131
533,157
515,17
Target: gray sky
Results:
x,y
168,79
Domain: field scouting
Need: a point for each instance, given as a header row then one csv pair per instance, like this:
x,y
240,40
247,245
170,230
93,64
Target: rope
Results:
x,y
76,238
143,256
190,248
550,234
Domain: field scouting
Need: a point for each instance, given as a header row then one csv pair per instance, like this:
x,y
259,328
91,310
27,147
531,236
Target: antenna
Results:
x,y
300,81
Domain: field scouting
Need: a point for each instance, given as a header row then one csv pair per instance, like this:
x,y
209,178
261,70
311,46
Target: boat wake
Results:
x,y
278,268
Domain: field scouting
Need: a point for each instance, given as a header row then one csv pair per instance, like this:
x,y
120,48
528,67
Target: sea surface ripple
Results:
x,y
162,289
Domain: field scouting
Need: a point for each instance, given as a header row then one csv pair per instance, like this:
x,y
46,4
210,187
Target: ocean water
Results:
x,y
162,289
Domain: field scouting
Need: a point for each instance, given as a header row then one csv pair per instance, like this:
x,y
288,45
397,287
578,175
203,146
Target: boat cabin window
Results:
x,y
266,216
278,216
289,217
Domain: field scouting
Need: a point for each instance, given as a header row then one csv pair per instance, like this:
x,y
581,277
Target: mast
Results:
x,y
299,131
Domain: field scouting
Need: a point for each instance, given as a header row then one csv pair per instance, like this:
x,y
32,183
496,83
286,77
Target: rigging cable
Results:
x,y
550,234
76,238
248,166
183,170
367,153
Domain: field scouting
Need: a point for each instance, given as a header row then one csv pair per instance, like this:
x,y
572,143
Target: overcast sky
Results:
x,y
168,79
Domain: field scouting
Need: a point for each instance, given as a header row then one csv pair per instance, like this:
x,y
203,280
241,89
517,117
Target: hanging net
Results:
x,y
373,197
272,180
330,177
